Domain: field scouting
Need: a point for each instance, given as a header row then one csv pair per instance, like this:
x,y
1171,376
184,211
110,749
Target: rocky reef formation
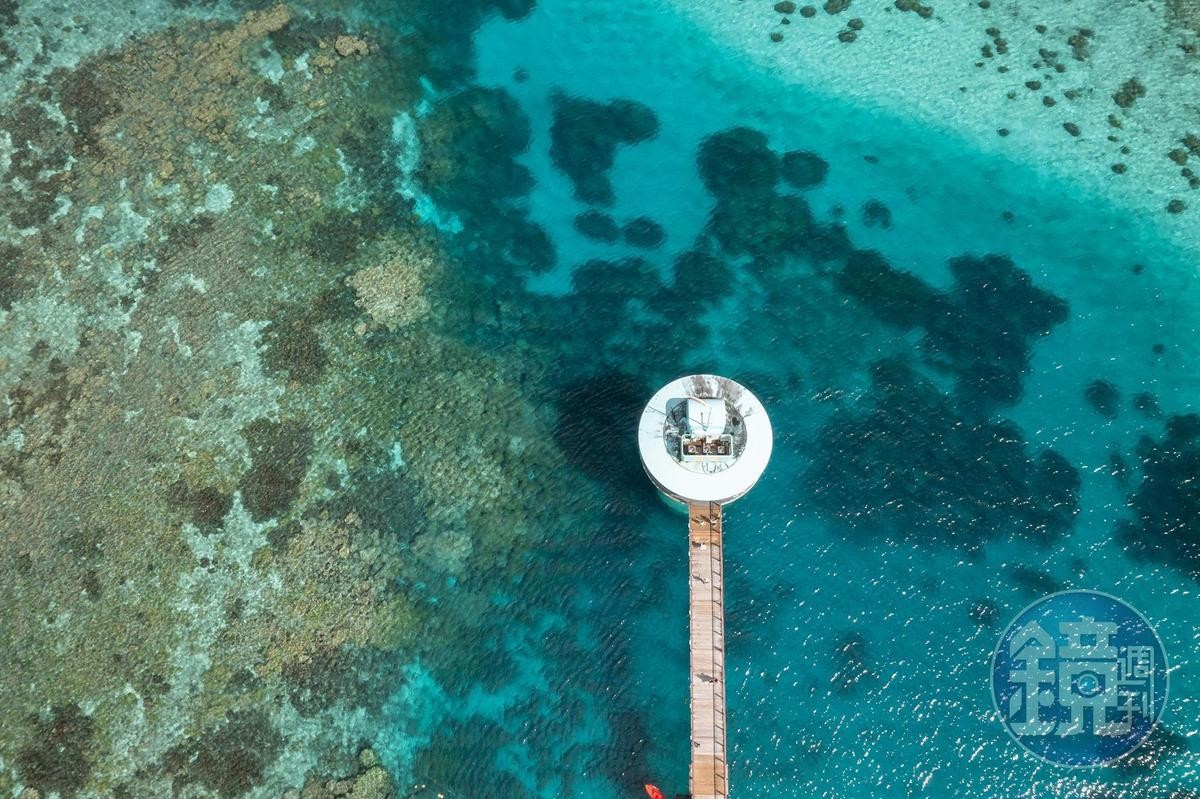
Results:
x,y
229,426
585,136
1166,503
372,781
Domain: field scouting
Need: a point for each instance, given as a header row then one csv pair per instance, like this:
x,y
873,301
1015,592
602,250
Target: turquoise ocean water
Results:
x,y
912,507
982,375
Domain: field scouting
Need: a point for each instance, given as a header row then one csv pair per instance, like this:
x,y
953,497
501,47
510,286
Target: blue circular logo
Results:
x,y
1079,678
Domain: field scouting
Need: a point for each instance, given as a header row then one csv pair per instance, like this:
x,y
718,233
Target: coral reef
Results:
x,y
907,462
1166,503
372,781
1104,398
803,169
598,225
392,292
211,292
585,136
643,232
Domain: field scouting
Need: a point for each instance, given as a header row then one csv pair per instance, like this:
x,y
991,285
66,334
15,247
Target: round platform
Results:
x,y
742,451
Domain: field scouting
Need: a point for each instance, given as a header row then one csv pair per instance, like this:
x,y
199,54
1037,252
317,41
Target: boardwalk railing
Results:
x,y
709,773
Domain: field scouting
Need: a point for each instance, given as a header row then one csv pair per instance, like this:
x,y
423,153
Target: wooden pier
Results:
x,y
708,778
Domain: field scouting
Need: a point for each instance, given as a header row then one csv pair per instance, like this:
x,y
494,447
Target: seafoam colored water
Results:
x,y
980,373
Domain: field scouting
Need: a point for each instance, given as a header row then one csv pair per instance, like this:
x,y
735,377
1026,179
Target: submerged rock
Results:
x,y
1166,504
598,225
644,232
737,160
876,214
1129,92
372,782
347,46
803,169
1104,398
584,138
909,461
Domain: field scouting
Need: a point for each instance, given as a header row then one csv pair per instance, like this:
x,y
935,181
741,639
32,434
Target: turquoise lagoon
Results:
x,y
982,367
858,658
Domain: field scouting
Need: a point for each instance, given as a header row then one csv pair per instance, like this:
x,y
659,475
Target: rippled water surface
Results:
x,y
357,342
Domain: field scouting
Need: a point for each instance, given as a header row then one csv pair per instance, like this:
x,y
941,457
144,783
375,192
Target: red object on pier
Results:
x,y
654,793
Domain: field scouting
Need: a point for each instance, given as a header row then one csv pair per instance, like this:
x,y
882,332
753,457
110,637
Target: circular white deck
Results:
x,y
685,482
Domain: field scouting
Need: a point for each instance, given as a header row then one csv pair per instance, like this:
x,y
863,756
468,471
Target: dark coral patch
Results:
x,y
986,336
876,214
893,295
850,660
468,146
621,279
803,169
598,225
737,160
459,758
349,675
624,396
1035,581
86,104
984,613
584,138
293,347
1147,404
279,454
529,245
762,224
1166,504
907,462
208,505
229,759
336,237
56,758
643,232
10,277
1104,398
1162,744
696,268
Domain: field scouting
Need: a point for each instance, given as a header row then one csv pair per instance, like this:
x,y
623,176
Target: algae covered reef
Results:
x,y
232,427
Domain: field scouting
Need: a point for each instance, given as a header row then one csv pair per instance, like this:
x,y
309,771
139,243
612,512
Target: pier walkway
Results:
x,y
708,777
